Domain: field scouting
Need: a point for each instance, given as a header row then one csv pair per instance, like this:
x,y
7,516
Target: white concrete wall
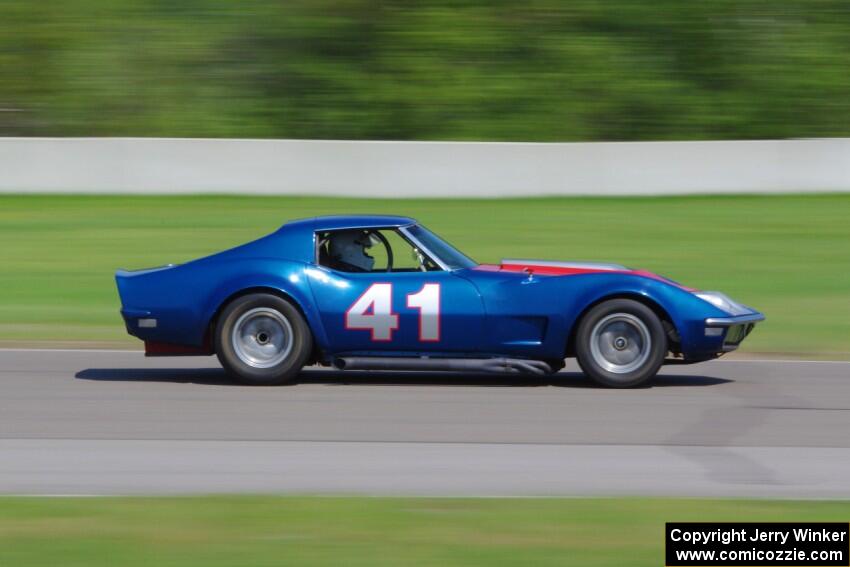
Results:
x,y
420,169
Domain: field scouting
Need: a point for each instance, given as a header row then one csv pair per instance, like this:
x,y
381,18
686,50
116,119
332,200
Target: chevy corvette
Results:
x,y
385,293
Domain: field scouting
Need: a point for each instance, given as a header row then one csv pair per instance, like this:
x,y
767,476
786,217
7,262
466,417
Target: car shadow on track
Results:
x,y
201,376
217,377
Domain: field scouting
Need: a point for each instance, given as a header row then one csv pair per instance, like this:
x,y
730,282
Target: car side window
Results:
x,y
370,250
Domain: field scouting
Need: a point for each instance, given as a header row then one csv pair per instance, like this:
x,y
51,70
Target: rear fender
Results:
x,y
292,286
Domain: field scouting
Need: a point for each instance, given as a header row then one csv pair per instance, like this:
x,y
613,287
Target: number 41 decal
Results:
x,y
373,311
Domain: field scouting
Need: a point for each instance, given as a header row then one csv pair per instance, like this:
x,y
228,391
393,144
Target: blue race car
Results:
x,y
385,293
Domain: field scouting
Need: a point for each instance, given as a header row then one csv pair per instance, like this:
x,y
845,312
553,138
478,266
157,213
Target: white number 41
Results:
x,y
373,311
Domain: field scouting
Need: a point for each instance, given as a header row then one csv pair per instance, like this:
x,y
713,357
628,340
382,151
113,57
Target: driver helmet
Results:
x,y
350,246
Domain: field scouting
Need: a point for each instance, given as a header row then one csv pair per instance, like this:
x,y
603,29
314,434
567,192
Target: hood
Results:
x,y
550,268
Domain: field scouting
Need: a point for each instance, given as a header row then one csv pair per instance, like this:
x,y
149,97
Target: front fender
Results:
x,y
512,299
686,311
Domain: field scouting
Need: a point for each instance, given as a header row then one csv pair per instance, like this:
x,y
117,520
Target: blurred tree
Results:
x,y
540,70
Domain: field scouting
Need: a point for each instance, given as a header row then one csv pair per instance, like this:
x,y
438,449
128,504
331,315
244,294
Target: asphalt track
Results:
x,y
101,422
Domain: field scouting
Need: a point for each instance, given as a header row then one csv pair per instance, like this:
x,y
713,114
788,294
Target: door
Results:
x,y
403,303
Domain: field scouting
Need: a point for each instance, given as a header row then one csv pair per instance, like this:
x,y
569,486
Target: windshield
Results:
x,y
445,252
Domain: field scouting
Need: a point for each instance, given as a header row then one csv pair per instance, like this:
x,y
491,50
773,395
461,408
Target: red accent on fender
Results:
x,y
549,270
153,348
572,271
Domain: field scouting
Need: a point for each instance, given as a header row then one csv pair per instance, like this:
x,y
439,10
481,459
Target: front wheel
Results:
x,y
262,339
621,343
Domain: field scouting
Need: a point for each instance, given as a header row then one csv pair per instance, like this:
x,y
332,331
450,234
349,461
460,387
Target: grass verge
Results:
x,y
304,531
786,255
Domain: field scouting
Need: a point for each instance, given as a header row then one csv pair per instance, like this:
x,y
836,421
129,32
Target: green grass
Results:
x,y
271,531
786,255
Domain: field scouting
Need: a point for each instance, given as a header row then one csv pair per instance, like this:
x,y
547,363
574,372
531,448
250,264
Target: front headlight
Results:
x,y
722,302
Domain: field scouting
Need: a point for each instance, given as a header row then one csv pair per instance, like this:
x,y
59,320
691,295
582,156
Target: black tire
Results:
x,y
266,321
621,329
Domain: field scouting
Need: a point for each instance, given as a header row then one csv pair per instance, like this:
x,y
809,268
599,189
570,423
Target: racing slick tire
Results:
x,y
262,339
620,343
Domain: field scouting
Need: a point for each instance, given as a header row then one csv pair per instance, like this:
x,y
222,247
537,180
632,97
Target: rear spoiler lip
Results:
x,y
130,273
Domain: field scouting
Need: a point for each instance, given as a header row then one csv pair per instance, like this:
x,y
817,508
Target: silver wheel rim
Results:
x,y
620,343
262,337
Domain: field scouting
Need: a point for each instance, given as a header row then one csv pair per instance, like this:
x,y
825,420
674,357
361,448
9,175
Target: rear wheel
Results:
x,y
262,339
621,343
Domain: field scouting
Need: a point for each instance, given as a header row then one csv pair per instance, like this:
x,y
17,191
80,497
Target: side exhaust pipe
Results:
x,y
496,365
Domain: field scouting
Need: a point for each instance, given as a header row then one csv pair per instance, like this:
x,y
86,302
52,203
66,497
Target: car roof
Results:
x,y
335,222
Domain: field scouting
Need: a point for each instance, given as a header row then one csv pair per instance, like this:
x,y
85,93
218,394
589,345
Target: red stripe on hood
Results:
x,y
537,269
